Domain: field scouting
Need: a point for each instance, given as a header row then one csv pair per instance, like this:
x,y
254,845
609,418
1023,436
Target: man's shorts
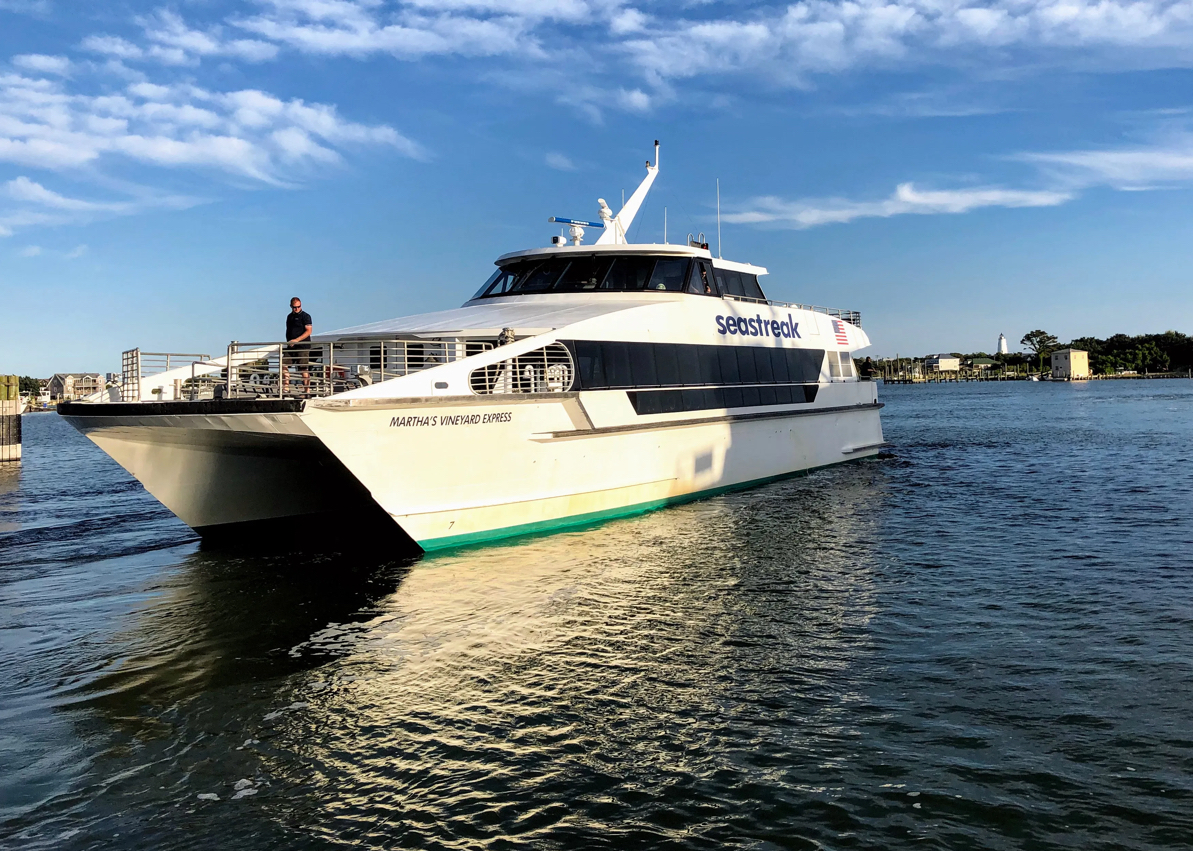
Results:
x,y
298,354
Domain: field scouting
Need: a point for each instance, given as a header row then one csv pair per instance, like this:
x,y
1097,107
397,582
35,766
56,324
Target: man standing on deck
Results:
x,y
298,351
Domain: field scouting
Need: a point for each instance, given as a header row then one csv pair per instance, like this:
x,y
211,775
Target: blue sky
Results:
x,y
171,174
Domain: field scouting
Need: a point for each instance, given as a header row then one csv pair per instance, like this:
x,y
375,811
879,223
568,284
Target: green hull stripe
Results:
x,y
544,526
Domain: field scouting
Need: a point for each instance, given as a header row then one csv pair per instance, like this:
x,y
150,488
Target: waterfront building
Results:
x,y
942,363
65,386
982,363
1070,363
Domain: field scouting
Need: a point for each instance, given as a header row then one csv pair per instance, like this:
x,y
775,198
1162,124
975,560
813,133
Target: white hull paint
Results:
x,y
451,484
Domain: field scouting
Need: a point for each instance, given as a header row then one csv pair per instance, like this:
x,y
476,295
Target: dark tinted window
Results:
x,y
750,286
700,279
541,277
746,369
642,365
710,364
583,273
498,283
627,365
616,357
762,363
730,282
779,365
667,364
689,365
629,273
589,364
728,358
670,273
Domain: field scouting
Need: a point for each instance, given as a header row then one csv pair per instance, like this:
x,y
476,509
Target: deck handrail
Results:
x,y
853,317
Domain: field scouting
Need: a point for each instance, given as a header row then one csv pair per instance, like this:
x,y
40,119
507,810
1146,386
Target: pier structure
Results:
x,y
10,418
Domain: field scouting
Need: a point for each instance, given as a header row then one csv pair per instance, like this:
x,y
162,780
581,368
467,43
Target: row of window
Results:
x,y
678,401
605,365
622,274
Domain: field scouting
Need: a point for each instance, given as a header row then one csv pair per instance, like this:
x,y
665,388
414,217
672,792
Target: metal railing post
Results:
x,y
228,383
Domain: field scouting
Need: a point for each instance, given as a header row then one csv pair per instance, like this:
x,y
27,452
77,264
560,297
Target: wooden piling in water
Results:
x,y
10,418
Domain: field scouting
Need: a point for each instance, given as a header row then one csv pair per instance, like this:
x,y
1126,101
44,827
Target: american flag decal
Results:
x,y
839,330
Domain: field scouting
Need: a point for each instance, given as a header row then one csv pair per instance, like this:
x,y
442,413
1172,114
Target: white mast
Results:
x,y
617,226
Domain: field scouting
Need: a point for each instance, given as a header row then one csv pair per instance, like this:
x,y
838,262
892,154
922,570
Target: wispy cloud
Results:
x,y
26,203
76,252
1145,166
560,162
30,251
42,64
905,200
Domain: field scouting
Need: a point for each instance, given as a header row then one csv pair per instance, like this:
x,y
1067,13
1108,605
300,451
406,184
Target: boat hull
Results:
x,y
237,473
455,472
451,471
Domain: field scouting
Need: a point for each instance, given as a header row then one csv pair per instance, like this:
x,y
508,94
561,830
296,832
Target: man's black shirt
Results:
x,y
296,324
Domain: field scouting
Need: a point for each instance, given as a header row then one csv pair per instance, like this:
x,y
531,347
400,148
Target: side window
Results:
x,y
669,274
701,280
616,358
589,364
732,285
498,283
642,368
750,286
628,273
666,358
710,365
846,364
834,365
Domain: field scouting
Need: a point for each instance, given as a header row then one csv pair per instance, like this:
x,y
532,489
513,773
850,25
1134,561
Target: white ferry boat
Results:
x,y
581,382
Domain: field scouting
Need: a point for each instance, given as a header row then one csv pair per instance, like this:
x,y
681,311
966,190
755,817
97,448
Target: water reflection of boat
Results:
x,y
580,382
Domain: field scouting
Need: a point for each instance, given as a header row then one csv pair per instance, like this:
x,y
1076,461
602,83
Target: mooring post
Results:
x,y
10,418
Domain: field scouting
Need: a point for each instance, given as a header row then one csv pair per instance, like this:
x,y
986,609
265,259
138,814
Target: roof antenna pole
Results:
x,y
719,218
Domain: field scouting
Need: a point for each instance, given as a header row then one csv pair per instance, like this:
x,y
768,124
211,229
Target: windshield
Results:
x,y
632,273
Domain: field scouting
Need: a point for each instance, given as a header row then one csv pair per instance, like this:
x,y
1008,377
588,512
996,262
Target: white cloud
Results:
x,y
76,252
32,204
112,46
24,189
341,27
30,251
42,64
905,200
627,21
245,133
817,36
560,162
1165,162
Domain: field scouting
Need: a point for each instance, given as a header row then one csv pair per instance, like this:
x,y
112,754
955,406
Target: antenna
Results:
x,y
719,218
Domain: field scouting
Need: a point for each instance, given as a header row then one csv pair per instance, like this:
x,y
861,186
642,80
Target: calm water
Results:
x,y
985,642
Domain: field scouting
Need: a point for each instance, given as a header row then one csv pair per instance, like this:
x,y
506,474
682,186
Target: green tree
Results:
x,y
29,384
1041,343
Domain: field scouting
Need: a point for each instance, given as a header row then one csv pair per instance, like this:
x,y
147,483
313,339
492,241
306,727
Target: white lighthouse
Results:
x,y
1002,344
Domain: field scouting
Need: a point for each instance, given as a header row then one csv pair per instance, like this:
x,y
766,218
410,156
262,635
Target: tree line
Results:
x,y
1170,351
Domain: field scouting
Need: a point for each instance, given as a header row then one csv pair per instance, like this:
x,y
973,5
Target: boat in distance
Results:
x,y
581,382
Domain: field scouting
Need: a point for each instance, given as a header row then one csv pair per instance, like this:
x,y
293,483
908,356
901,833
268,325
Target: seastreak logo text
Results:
x,y
756,326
